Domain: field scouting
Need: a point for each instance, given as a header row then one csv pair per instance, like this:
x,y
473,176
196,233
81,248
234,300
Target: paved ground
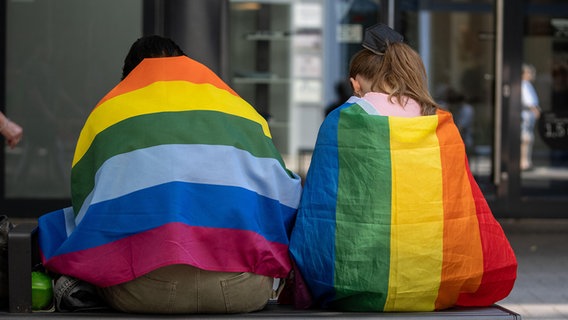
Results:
x,y
541,246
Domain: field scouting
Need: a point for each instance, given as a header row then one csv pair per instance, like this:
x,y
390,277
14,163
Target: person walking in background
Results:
x,y
343,91
181,201
529,115
464,116
11,131
391,218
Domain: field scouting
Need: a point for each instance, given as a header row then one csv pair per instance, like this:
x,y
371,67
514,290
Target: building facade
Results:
x,y
289,59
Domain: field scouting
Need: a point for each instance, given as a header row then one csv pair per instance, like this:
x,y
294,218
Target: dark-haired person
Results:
x,y
181,202
149,47
391,218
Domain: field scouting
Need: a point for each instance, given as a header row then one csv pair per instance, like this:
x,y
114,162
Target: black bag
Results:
x,y
5,227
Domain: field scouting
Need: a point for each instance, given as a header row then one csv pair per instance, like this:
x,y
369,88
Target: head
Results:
x,y
396,70
529,72
149,47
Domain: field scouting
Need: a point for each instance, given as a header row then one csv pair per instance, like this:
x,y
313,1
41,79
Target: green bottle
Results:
x,y
42,291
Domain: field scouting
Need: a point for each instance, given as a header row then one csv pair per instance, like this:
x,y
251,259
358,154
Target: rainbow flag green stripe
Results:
x,y
350,249
392,220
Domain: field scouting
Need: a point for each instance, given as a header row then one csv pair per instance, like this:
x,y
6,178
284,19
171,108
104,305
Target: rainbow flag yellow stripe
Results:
x,y
406,239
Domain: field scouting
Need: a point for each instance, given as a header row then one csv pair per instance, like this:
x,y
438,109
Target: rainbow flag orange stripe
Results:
x,y
391,218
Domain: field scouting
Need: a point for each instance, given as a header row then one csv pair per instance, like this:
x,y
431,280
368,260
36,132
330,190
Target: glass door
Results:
x,y
544,103
456,41
276,64
60,60
475,52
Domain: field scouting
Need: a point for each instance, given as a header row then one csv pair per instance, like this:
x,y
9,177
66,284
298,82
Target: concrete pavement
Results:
x,y
541,246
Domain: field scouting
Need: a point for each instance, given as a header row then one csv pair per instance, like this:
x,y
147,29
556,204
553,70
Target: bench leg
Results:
x,y
20,259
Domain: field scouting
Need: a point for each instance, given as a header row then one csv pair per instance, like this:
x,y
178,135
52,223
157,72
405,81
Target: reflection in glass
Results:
x,y
458,51
60,59
546,48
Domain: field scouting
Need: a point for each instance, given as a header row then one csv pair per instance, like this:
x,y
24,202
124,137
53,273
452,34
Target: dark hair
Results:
x,y
149,47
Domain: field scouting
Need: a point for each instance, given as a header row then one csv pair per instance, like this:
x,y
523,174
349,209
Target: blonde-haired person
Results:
x,y
11,131
392,78
391,218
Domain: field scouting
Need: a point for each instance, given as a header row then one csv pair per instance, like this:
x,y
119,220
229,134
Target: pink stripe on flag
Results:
x,y
226,250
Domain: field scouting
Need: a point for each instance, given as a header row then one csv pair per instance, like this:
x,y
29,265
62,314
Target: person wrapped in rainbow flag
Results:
x,y
391,218
180,201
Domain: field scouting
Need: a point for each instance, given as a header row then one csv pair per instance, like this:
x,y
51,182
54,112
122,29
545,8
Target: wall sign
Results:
x,y
553,129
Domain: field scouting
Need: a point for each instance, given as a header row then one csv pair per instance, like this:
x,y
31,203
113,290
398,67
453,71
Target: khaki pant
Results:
x,y
186,289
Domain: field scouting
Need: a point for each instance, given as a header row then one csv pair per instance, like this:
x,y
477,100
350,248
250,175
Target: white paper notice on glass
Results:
x,y
307,66
307,91
307,15
307,41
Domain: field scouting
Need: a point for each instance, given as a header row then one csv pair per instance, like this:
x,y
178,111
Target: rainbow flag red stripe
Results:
x,y
173,167
391,218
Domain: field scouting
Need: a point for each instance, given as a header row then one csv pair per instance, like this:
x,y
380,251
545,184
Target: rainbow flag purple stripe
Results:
x,y
173,167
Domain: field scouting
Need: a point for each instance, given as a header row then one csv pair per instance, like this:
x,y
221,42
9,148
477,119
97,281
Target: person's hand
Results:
x,y
536,112
12,132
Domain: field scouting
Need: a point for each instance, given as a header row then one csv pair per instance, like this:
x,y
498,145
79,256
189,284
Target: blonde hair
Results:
x,y
399,72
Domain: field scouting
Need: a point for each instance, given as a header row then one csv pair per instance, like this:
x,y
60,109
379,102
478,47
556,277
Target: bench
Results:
x,y
23,254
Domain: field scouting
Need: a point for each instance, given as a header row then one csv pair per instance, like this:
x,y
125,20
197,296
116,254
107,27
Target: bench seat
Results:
x,y
22,255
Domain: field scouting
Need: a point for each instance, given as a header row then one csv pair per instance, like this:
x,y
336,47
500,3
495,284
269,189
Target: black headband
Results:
x,y
379,36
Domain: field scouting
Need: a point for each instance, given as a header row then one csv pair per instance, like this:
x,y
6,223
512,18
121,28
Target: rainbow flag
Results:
x,y
173,167
391,218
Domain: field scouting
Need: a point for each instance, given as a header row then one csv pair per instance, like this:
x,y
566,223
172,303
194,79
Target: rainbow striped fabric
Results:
x,y
391,218
173,167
